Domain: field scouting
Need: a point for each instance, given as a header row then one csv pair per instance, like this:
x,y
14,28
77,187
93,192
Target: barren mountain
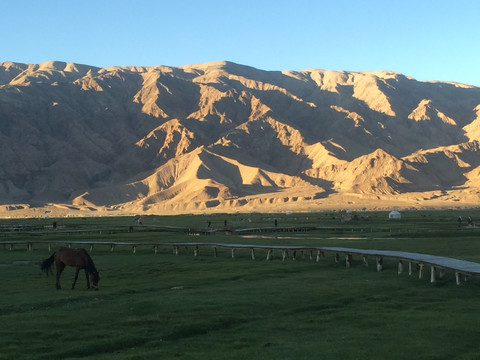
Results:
x,y
227,137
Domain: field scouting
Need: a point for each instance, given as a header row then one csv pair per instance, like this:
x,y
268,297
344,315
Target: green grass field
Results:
x,y
153,306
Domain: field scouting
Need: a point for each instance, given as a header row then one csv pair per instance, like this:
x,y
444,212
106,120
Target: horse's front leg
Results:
x,y
76,277
60,267
88,280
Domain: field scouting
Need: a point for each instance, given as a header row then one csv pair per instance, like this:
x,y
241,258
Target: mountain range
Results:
x,y
224,137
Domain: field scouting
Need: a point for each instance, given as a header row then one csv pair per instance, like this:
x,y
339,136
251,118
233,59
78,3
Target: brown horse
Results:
x,y
78,258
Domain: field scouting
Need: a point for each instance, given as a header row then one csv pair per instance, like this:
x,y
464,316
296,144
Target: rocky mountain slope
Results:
x,y
227,137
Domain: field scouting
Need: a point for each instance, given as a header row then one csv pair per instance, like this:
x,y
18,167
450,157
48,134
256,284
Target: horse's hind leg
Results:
x,y
60,266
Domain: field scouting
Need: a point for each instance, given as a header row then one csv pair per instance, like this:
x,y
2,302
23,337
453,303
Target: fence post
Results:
x,y
365,260
348,259
269,254
420,270
458,278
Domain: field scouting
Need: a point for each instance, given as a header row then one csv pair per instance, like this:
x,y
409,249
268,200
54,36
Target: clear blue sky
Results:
x,y
425,39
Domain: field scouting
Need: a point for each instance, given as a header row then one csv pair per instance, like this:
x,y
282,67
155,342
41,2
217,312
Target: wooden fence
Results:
x,y
438,264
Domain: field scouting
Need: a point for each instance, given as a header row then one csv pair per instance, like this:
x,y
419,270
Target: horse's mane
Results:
x,y
90,265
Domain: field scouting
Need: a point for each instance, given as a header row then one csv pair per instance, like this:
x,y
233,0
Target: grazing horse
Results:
x,y
78,258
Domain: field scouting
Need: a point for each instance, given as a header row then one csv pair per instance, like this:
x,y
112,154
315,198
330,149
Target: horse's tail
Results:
x,y
46,264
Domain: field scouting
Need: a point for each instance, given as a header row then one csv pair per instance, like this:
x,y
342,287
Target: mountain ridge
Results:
x,y
227,137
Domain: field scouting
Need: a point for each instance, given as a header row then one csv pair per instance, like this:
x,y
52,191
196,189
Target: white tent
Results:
x,y
394,215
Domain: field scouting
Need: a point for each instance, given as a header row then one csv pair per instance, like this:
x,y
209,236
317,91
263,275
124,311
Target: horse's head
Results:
x,y
94,279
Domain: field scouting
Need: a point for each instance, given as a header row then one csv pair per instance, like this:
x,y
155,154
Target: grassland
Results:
x,y
153,306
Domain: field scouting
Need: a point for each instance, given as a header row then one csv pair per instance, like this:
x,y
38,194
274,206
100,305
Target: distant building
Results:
x,y
394,215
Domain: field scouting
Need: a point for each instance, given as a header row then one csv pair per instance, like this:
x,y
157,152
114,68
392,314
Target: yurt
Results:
x,y
394,215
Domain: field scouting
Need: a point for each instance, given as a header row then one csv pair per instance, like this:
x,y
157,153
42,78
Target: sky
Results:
x,y
424,39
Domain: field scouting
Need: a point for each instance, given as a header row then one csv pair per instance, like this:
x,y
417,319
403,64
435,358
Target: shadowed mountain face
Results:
x,y
222,136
